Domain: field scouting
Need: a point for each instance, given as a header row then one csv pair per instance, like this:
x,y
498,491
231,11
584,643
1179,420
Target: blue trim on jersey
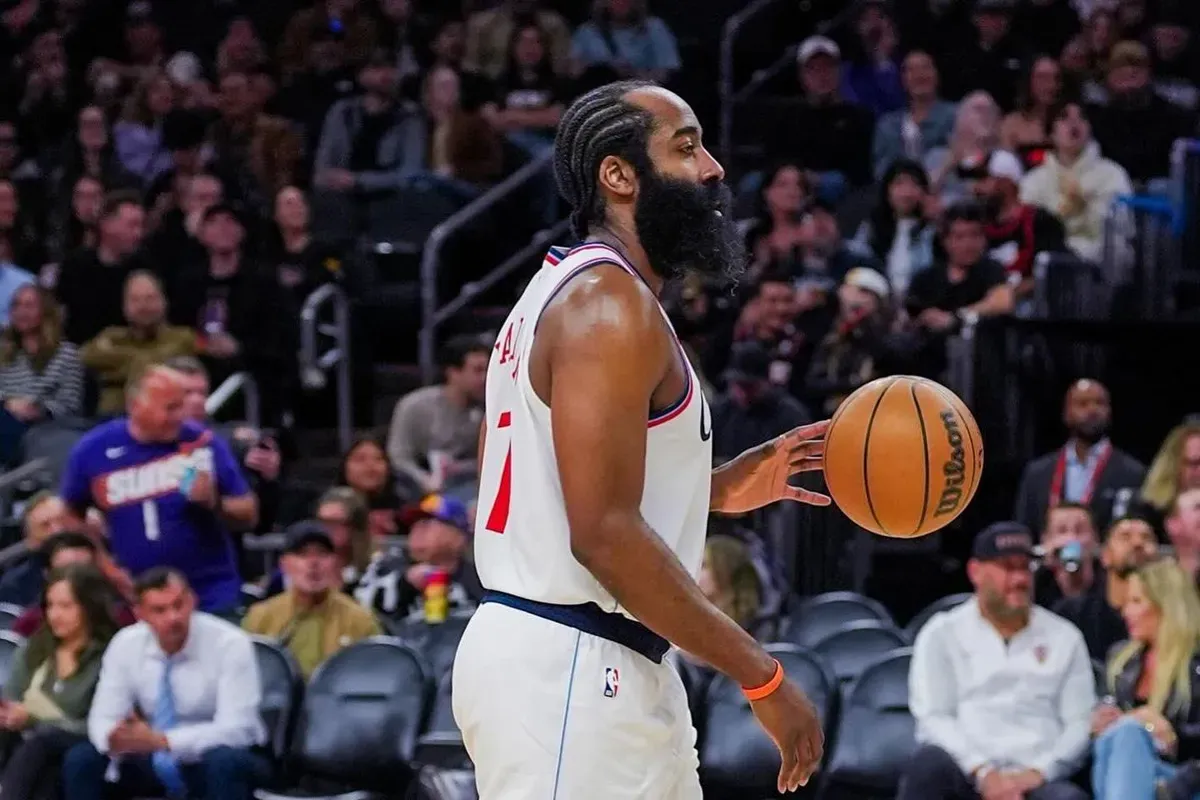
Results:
x,y
687,389
562,737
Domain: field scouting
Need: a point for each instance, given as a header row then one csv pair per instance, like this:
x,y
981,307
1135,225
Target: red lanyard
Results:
x,y
1060,469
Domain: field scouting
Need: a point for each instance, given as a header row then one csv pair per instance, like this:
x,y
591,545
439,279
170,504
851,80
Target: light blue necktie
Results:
x,y
165,718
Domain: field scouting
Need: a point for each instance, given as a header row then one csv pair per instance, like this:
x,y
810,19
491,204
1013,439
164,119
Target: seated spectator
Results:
x,y
16,260
1137,128
91,283
777,234
1076,183
342,513
359,33
490,35
825,255
1183,530
824,132
752,408
954,168
138,135
460,144
785,320
1025,131
730,580
626,41
166,487
120,352
529,96
899,231
74,226
1087,470
65,549
1001,689
966,287
183,138
1129,543
1174,469
439,532
1153,721
987,55
857,349
41,377
49,691
312,617
43,517
924,124
371,142
176,707
871,79
1176,56
1016,232
366,470
300,263
433,438
1067,550
90,152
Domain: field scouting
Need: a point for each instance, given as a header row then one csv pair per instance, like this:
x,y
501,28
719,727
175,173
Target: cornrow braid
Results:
x,y
598,124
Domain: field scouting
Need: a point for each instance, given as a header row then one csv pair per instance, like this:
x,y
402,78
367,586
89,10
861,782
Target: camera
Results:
x,y
1070,556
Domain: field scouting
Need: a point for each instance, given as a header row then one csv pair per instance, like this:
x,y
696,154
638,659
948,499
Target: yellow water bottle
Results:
x,y
436,600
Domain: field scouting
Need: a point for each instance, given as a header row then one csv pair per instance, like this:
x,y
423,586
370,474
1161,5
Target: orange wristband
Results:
x,y
768,688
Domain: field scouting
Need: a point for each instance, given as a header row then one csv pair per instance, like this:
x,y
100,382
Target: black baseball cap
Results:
x,y
301,534
748,362
1003,539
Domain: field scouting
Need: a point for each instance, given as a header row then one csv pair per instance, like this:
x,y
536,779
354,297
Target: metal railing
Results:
x,y
432,316
315,366
238,382
8,481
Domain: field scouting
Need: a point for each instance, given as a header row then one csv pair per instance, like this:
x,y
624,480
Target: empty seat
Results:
x,y
851,650
10,643
52,441
8,615
937,606
817,617
361,715
282,685
877,734
737,759
437,642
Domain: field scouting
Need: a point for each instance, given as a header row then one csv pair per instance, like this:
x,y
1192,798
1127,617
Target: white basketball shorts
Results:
x,y
548,712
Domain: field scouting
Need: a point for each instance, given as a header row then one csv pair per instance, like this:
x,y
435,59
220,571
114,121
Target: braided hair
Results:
x,y
600,123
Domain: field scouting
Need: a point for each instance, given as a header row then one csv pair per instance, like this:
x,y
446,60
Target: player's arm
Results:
x,y
607,352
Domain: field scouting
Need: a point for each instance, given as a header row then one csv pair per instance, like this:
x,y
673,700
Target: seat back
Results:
x,y
9,613
282,686
362,712
878,733
737,759
436,642
936,607
817,617
54,442
10,643
856,646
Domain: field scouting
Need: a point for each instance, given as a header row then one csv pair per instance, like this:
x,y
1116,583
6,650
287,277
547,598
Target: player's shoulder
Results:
x,y
603,291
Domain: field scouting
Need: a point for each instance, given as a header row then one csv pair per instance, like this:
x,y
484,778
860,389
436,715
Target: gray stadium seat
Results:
x,y
856,646
936,607
282,689
8,615
52,441
10,643
815,618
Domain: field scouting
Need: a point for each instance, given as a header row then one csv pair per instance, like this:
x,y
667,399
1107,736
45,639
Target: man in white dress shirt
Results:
x,y
176,708
1002,690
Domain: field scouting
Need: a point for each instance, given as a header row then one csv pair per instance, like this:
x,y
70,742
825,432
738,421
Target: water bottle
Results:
x,y
436,599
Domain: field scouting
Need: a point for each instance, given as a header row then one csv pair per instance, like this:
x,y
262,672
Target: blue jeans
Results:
x,y
223,773
1125,763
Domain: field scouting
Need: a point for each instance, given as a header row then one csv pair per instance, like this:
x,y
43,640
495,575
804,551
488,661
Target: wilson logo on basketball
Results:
x,y
954,469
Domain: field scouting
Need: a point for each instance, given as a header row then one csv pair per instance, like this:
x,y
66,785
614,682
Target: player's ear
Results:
x,y
618,177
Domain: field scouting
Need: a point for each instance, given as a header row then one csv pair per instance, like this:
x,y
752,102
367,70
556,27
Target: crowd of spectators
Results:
x,y
167,177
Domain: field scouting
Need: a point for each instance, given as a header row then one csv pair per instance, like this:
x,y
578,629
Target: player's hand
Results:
x,y
759,476
792,723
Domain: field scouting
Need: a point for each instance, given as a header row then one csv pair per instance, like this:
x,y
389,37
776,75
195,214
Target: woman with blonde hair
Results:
x,y
976,136
1175,468
1151,720
729,579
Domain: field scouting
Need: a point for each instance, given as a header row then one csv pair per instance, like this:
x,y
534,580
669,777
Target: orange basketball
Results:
x,y
903,456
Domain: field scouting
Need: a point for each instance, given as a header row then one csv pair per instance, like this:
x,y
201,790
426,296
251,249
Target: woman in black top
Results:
x,y
300,263
529,97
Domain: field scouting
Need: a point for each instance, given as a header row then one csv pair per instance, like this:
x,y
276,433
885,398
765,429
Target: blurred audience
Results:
x,y
1025,131
491,33
899,230
925,123
1174,469
44,516
366,470
752,408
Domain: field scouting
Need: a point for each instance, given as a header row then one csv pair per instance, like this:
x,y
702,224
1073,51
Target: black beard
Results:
x,y
1090,432
687,227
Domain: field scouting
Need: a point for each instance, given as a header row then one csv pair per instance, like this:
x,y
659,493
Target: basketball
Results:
x,y
903,456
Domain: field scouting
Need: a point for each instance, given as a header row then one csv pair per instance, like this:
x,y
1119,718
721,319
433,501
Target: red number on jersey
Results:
x,y
497,519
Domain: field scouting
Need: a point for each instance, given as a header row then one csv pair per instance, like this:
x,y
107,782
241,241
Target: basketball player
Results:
x,y
597,481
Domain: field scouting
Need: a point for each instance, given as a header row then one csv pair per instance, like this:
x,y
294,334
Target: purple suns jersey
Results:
x,y
150,521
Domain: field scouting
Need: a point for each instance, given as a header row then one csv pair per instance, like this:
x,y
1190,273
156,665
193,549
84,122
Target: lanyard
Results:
x,y
1060,469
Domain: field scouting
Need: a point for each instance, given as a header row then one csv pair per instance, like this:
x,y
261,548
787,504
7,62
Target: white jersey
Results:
x,y
522,539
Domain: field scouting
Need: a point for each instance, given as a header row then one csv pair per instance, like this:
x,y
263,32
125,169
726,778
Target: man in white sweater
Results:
x,y
1002,690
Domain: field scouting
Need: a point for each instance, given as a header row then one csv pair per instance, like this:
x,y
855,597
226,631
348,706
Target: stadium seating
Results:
x,y
815,618
9,644
282,688
8,615
360,721
944,604
877,732
737,760
436,642
850,650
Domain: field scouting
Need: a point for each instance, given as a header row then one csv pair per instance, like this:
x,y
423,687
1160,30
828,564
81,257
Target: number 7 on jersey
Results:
x,y
497,518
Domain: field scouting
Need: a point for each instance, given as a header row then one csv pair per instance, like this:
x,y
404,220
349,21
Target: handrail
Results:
x,y
431,257
237,382
18,474
314,366
729,33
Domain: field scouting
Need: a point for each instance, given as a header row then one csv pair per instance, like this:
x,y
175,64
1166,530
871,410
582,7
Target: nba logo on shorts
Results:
x,y
612,680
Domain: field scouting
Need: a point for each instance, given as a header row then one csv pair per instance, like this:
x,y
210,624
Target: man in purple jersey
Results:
x,y
166,488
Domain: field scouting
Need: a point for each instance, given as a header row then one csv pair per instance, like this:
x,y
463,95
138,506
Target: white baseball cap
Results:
x,y
1003,164
869,280
817,46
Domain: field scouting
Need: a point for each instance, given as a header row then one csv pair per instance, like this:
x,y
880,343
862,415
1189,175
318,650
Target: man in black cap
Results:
x,y
311,617
752,408
1002,690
